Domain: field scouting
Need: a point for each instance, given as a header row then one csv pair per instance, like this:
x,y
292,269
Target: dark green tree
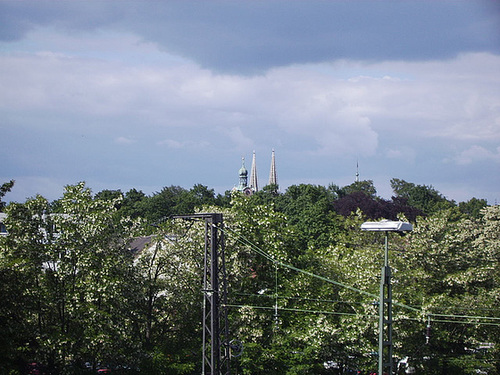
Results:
x,y
365,186
309,209
425,198
111,195
172,200
472,208
134,204
4,189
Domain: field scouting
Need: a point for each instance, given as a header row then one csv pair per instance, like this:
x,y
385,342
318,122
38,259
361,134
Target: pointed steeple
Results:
x,y
273,179
253,175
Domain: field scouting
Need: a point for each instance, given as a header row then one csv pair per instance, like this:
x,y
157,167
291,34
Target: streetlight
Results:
x,y
385,302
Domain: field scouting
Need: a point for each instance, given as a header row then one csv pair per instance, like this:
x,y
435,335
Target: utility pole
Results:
x,y
385,316
385,347
216,347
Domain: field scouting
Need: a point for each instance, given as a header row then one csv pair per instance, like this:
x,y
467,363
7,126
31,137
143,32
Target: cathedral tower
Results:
x,y
243,176
273,179
253,175
250,187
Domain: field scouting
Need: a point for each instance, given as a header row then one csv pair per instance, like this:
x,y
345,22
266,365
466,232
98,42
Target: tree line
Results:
x,y
410,199
303,281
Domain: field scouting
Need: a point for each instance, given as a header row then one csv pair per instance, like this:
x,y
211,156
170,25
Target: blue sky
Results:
x,y
147,94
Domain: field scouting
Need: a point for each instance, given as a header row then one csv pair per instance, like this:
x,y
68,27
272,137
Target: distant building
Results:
x,y
138,244
54,231
3,229
248,188
243,182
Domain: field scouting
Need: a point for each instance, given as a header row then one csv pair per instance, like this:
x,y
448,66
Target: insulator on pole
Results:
x,y
428,330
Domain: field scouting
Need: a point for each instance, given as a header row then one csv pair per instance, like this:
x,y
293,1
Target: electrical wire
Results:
x,y
464,322
465,316
241,239
290,309
298,310
256,249
302,298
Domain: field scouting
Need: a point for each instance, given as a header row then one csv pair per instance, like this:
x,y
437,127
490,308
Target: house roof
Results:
x,y
140,243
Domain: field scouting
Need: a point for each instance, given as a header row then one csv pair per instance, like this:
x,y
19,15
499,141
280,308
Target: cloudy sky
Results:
x,y
147,94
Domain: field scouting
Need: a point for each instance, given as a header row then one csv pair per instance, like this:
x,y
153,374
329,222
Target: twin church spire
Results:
x,y
273,178
253,186
253,175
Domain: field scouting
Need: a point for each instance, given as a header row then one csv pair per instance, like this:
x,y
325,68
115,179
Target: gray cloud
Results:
x,y
157,93
251,37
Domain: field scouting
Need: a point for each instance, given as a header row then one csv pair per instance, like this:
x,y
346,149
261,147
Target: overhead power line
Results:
x,y
256,249
309,311
300,310
452,318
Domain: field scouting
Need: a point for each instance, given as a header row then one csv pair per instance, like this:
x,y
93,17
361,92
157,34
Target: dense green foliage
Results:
x,y
302,276
4,189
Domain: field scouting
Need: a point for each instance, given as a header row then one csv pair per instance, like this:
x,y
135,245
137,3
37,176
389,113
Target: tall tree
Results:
x,y
77,270
366,187
425,198
309,209
455,265
473,207
133,204
170,265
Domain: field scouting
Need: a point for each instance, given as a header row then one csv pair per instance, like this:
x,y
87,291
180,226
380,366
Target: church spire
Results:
x,y
243,175
273,179
253,175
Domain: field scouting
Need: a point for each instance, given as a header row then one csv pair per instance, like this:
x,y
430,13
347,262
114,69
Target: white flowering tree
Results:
x,y
326,294
354,262
449,271
75,274
275,309
170,266
445,270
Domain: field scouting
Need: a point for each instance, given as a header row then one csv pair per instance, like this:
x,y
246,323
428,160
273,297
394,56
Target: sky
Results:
x,y
148,94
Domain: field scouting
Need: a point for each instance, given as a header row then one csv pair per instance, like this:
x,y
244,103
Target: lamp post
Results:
x,y
385,302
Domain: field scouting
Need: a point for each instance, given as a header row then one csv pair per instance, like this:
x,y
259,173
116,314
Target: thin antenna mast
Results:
x,y
357,171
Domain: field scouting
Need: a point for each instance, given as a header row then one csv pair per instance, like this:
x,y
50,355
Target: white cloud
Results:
x,y
124,141
237,137
340,115
177,145
402,154
477,153
343,109
170,143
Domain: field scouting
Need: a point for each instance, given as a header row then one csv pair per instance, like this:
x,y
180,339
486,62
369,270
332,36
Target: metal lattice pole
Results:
x,y
216,350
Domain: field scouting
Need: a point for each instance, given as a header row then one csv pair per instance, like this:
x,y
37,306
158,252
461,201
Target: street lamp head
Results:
x,y
386,226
